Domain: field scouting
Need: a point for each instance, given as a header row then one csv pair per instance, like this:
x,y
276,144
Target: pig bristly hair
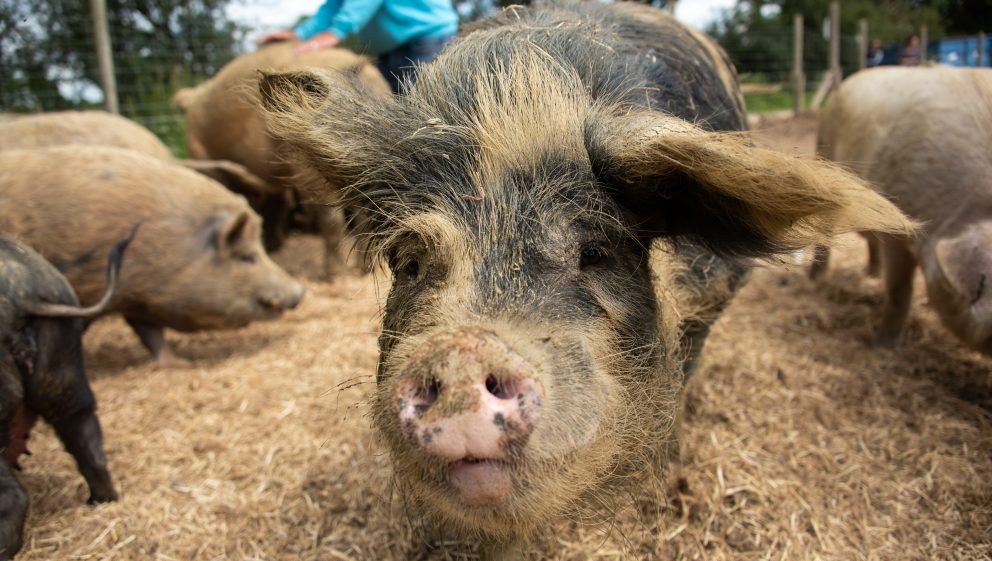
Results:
x,y
504,104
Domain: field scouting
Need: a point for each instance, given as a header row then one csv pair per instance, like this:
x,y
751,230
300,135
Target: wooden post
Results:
x,y
862,43
981,49
105,60
835,72
924,39
798,77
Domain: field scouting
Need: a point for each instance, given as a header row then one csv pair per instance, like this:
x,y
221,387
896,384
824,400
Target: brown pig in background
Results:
x,y
100,128
224,122
923,138
197,262
542,196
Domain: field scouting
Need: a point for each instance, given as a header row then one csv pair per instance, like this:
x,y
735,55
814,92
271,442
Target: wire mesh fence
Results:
x,y
48,53
48,58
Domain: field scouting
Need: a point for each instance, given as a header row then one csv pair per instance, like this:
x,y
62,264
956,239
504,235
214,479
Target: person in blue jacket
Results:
x,y
401,33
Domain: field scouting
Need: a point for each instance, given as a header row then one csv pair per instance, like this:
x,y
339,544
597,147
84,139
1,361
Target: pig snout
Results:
x,y
283,293
284,298
466,399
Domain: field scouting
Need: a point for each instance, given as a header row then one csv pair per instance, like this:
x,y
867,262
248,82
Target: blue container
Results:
x,y
961,51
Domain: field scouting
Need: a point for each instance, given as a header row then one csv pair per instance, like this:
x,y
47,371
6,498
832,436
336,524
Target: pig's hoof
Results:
x,y
816,271
886,341
170,360
103,497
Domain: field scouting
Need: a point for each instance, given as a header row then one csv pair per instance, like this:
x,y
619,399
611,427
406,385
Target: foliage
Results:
x,y
47,48
758,34
964,17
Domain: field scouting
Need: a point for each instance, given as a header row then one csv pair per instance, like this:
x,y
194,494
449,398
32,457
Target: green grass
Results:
x,y
777,101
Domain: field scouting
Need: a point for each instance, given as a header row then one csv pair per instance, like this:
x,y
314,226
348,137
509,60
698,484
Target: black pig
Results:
x,y
41,373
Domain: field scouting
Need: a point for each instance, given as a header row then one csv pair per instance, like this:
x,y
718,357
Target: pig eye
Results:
x,y
404,259
411,269
404,268
591,255
247,258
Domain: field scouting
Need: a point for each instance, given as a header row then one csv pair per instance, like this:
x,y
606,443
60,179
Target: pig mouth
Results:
x,y
480,482
270,310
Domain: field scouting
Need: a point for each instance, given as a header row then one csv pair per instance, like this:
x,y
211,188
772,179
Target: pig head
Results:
x,y
958,272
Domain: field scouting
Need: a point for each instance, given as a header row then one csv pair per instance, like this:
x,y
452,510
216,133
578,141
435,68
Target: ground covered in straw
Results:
x,y
801,441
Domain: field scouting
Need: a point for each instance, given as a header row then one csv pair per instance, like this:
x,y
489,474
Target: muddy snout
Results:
x,y
466,398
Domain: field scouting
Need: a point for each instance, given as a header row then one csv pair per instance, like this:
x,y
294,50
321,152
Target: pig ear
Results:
x,y
330,121
966,265
234,176
678,180
228,230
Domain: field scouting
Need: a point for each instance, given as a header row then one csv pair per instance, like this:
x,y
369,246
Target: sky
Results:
x,y
268,15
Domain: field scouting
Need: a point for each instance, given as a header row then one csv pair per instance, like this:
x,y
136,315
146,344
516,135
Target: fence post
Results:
x,y
834,76
835,72
98,12
862,43
981,49
798,78
924,39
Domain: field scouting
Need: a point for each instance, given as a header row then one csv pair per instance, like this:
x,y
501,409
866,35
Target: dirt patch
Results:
x,y
792,136
801,441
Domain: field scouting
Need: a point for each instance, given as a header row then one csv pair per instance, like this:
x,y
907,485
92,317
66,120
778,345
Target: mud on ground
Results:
x,y
801,441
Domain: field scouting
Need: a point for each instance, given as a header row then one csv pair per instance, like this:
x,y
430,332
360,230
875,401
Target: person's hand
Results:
x,y
276,36
324,40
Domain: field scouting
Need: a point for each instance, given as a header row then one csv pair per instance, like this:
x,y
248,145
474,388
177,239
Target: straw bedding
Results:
x,y
801,441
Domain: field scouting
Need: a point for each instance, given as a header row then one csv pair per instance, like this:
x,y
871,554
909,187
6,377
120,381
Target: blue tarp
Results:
x,y
960,51
952,51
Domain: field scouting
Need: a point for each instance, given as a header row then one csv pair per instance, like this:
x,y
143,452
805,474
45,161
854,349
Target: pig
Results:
x,y
541,195
223,121
100,128
197,263
42,373
921,137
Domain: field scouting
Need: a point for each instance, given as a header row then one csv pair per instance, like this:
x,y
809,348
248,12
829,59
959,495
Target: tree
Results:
x,y
964,17
47,53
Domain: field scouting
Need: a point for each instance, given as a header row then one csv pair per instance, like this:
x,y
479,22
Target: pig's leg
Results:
x,y
713,282
152,336
82,437
275,211
899,267
13,497
330,224
821,262
874,265
59,392
13,511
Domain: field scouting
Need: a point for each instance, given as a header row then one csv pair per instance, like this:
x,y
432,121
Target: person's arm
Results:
x,y
276,36
352,16
319,22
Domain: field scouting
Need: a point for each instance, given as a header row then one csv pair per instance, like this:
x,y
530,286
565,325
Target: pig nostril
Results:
x,y
426,395
499,388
